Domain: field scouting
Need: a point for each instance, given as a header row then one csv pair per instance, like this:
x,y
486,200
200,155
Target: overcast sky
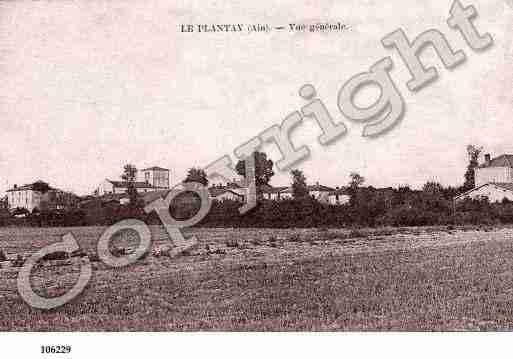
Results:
x,y
87,86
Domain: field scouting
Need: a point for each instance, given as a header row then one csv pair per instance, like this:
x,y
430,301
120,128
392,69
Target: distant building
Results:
x,y
39,195
272,193
338,197
493,180
317,191
223,193
320,192
495,192
497,170
118,187
158,177
149,179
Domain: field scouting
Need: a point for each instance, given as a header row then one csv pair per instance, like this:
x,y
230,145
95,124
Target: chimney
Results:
x,y
487,159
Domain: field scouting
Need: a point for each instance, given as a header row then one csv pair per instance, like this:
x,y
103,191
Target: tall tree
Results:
x,y
473,153
196,175
355,180
299,187
354,183
263,169
129,176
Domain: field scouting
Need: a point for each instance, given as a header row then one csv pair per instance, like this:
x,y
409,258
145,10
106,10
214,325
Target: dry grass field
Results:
x,y
254,279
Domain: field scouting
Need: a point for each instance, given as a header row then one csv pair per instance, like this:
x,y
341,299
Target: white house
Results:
x,y
493,180
316,191
223,193
38,195
338,197
495,192
158,177
320,192
115,187
149,179
272,193
497,170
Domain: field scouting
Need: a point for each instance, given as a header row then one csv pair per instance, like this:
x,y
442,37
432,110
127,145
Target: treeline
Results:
x,y
433,205
368,206
371,210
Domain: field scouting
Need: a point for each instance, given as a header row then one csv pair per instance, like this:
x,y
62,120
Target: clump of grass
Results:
x,y
232,243
219,251
355,233
78,253
328,236
161,252
187,252
256,242
119,252
384,232
272,239
93,257
55,256
19,261
294,237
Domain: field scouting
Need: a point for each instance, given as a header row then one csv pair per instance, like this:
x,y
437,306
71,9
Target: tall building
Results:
x,y
157,177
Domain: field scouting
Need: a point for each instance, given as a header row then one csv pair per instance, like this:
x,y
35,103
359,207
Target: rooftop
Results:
x,y
124,184
39,186
155,168
504,160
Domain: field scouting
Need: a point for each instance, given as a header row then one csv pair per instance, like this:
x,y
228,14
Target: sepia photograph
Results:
x,y
248,168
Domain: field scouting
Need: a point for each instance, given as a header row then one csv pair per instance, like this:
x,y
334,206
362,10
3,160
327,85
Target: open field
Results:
x,y
254,279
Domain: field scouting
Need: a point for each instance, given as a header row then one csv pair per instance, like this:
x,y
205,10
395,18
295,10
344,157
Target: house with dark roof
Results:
x,y
39,195
496,170
223,193
493,179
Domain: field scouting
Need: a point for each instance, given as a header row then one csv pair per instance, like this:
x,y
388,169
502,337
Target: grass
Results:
x,y
409,279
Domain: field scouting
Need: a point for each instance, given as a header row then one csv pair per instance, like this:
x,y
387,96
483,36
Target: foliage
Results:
x,y
196,175
263,169
473,153
354,183
299,187
129,176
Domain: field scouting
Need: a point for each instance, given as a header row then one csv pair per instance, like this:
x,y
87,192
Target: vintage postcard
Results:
x,y
256,166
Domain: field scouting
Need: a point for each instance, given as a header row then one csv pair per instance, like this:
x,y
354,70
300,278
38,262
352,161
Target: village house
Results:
x,y
338,197
324,194
158,177
272,193
493,180
150,179
39,195
222,193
